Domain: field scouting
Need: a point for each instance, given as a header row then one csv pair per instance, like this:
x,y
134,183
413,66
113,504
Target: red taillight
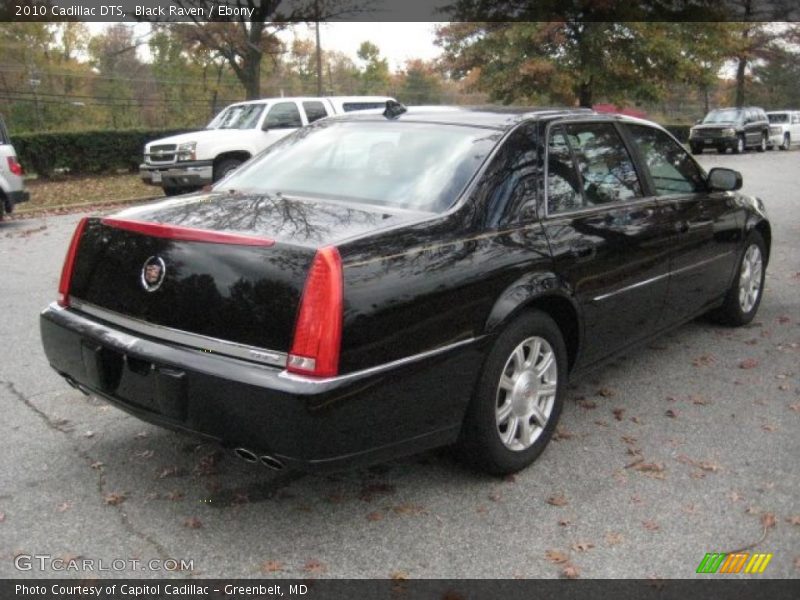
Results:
x,y
15,167
318,331
69,264
187,234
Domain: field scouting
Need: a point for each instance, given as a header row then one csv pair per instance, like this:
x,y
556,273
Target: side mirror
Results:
x,y
724,180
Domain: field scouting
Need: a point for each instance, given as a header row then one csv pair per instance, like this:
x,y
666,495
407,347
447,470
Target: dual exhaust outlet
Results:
x,y
251,457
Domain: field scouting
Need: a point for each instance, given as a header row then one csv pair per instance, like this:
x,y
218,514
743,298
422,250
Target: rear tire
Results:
x,y
763,145
787,142
744,296
518,398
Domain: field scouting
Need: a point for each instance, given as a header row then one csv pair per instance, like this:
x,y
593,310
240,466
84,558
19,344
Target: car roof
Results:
x,y
314,98
493,117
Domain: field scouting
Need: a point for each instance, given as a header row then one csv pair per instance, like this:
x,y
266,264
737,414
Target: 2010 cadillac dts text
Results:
x,y
375,285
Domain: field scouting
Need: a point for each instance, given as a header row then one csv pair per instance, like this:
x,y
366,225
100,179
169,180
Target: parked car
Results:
x,y
187,162
373,286
12,184
784,128
734,128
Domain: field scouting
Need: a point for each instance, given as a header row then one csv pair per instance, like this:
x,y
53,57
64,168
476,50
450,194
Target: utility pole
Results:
x,y
319,60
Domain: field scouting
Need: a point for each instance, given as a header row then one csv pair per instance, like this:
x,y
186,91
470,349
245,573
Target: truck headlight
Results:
x,y
728,132
186,151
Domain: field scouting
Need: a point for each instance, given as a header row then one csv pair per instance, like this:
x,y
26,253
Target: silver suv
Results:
x,y
12,184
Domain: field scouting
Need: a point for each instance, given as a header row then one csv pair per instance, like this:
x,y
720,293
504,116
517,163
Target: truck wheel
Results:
x,y
740,145
722,149
172,191
518,398
787,141
763,145
224,167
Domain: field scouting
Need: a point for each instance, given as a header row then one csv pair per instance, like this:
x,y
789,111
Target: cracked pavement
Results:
x,y
686,446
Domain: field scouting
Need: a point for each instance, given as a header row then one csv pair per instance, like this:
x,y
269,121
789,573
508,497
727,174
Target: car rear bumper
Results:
x,y
355,419
189,174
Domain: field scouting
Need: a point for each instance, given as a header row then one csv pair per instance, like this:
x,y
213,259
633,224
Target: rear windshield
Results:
x,y
723,116
240,116
418,166
778,118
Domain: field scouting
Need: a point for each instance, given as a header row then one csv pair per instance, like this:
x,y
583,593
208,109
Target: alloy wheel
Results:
x,y
750,278
526,393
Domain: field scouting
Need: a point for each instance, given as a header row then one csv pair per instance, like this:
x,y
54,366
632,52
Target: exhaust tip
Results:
x,y
246,455
271,462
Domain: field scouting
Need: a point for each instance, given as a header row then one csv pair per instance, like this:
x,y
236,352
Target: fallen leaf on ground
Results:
x,y
769,428
748,363
618,413
174,495
606,392
144,454
408,508
570,571
564,522
735,496
651,525
672,414
699,400
315,566
375,516
114,498
562,433
88,434
612,539
398,575
794,520
64,506
557,500
704,360
96,465
2,517
582,546
193,523
556,556
768,520
168,472
587,404
271,566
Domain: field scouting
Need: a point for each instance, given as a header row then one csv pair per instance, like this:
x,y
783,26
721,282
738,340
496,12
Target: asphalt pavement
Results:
x,y
686,446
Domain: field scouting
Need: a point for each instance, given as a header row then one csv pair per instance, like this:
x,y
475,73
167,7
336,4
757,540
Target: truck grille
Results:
x,y
711,133
160,155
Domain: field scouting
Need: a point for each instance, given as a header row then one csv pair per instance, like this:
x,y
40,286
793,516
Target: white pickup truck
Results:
x,y
183,163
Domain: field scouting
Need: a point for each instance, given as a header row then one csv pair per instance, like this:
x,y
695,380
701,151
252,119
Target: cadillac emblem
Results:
x,y
153,273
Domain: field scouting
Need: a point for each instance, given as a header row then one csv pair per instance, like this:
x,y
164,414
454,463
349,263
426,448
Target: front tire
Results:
x,y
744,296
519,397
224,167
741,146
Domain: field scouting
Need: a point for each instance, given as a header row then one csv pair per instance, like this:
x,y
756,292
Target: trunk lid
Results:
x,y
244,290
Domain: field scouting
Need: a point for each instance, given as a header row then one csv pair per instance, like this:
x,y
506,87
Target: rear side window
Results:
x,y
563,183
284,115
605,169
314,111
796,118
353,106
672,169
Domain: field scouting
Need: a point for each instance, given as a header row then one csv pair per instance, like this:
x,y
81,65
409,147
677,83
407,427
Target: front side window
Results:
x,y
606,169
563,183
283,115
418,166
672,169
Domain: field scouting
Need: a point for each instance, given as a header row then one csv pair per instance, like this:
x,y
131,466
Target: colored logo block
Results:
x,y
734,562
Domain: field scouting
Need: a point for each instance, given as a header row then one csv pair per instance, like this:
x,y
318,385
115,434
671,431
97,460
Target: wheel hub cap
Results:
x,y
526,393
750,278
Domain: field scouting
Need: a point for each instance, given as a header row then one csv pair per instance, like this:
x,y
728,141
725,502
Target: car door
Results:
x,y
610,242
706,226
282,118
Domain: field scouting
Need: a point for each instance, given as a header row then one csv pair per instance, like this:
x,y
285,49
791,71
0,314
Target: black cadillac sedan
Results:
x,y
376,285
